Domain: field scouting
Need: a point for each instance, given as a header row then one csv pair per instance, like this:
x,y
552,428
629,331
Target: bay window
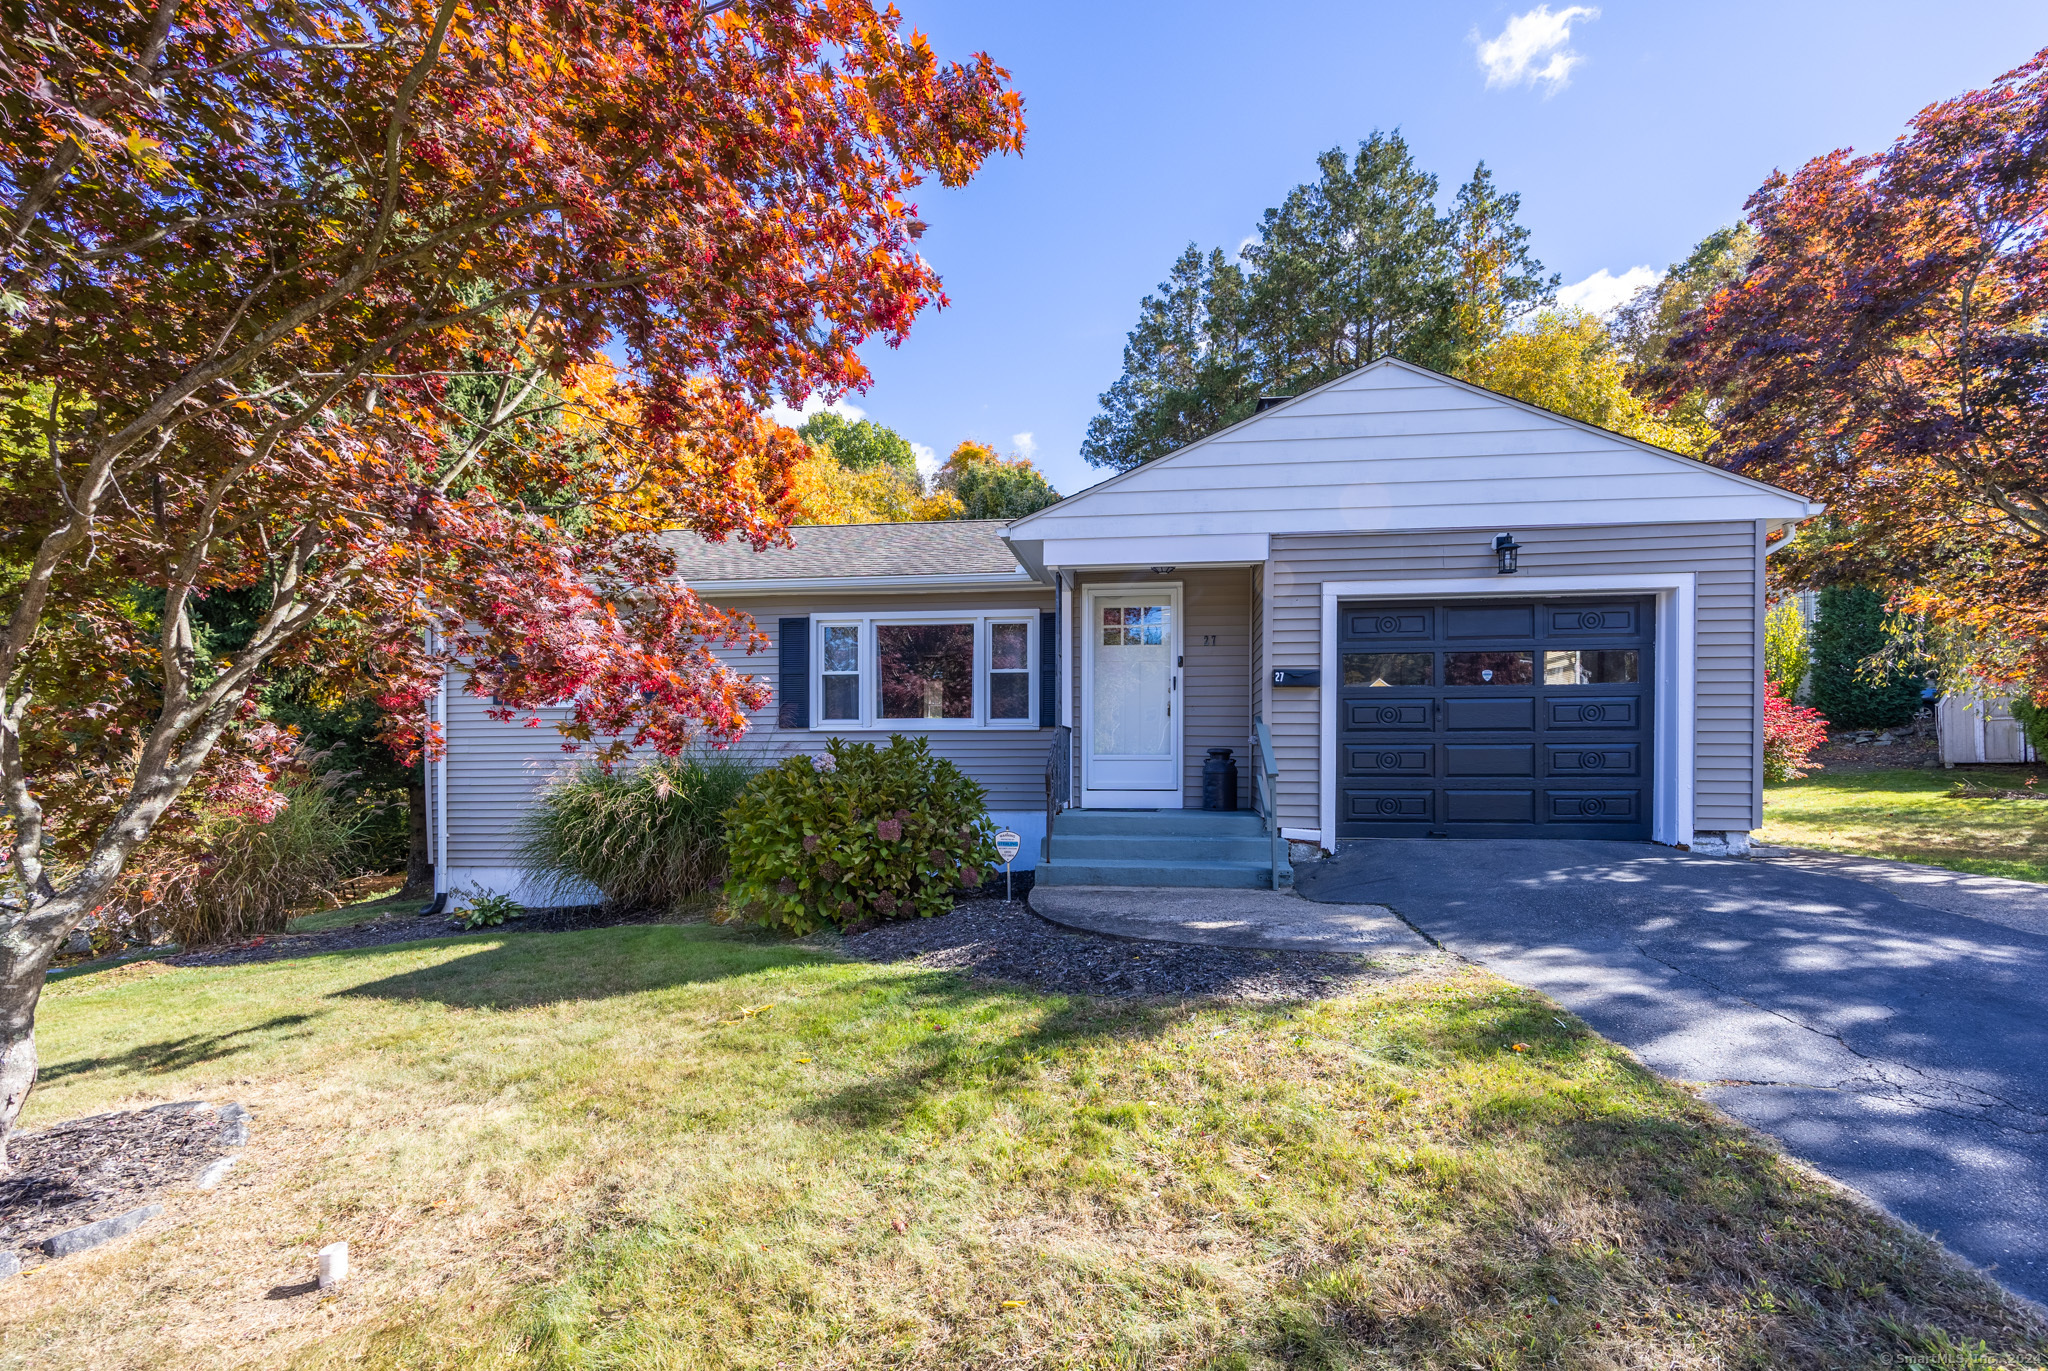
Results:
x,y
925,671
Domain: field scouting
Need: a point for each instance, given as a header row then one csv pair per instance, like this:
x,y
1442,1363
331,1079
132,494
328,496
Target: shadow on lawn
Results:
x,y
176,1054
952,1058
596,964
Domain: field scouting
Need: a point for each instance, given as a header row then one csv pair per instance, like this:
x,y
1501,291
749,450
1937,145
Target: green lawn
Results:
x,y
361,912
683,1146
1907,815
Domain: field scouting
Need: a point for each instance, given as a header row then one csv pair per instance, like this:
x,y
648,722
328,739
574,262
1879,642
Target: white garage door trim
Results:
x,y
1677,640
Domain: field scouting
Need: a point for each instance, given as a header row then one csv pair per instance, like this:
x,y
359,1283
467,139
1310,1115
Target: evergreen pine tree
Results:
x,y
1849,631
1499,281
1186,371
1354,266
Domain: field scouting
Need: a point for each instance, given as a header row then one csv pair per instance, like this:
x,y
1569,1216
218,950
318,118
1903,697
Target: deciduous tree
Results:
x,y
255,256
1565,361
859,444
821,491
1883,351
989,486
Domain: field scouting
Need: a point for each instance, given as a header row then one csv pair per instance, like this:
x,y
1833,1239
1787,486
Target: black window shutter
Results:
x,y
1048,669
793,666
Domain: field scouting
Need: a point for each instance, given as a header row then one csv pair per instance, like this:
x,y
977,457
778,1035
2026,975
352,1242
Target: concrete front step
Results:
x,y
1150,847
1191,823
1160,848
1208,875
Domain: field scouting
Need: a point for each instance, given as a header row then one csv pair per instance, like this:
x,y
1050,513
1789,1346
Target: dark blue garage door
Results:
x,y
1499,719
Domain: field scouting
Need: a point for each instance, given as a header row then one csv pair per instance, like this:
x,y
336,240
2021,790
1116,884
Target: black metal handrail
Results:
x,y
1266,790
1059,772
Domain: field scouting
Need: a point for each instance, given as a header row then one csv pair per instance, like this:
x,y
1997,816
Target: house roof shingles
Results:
x,y
833,551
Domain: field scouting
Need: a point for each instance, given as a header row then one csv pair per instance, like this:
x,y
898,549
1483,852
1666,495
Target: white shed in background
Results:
x,y
1977,727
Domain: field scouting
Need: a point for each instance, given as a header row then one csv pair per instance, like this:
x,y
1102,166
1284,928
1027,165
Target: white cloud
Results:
x,y
1531,49
1602,291
783,414
1026,445
927,461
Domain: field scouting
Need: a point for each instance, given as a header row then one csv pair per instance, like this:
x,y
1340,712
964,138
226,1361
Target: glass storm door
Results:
x,y
1133,698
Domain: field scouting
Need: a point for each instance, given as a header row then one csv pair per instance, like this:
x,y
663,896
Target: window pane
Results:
x,y
1489,668
927,670
842,698
1603,666
1009,695
1388,668
1133,670
842,647
1009,647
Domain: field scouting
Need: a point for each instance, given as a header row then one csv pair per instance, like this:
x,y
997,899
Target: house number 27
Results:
x,y
1208,640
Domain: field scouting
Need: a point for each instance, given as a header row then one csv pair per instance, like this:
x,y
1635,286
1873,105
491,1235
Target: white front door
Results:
x,y
1131,698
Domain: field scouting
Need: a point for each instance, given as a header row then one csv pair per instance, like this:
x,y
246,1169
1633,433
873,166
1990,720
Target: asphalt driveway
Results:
x,y
1887,1023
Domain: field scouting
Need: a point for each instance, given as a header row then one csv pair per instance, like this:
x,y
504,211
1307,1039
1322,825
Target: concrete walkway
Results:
x,y
1274,920
1888,1023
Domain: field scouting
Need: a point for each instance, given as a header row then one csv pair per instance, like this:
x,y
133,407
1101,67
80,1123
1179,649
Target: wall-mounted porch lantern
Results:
x,y
1508,551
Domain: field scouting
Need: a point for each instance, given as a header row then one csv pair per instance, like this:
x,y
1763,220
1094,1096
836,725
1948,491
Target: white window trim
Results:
x,y
871,721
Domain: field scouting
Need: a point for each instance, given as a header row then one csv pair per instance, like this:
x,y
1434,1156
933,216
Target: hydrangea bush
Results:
x,y
857,834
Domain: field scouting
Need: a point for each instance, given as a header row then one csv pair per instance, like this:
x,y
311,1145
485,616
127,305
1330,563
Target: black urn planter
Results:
x,y
1219,780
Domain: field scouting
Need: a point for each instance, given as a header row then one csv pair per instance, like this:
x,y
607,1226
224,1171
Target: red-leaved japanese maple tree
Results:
x,y
312,303
1885,352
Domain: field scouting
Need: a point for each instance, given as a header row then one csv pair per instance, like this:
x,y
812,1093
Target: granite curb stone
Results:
x,y
73,1240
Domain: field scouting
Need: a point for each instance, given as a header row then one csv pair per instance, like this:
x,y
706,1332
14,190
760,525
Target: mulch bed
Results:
x,y
984,936
94,1168
411,928
1845,758
1002,941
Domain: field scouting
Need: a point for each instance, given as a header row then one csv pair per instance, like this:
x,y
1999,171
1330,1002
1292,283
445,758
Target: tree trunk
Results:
x,y
419,861
25,951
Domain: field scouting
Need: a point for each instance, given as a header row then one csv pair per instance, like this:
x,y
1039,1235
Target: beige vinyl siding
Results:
x,y
1726,556
1217,710
494,768
493,771
1214,702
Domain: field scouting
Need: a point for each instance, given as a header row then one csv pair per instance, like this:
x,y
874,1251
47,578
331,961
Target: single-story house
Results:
x,y
1421,608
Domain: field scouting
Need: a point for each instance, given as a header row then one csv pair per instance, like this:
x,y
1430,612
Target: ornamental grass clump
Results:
x,y
246,871
858,834
650,836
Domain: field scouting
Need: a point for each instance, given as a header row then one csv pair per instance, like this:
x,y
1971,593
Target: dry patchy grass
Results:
x,y
583,1151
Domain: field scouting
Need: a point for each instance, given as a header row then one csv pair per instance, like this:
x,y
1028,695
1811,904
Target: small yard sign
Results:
x,y
1008,845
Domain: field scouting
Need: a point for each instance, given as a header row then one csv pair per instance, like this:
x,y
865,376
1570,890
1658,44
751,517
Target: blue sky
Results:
x,y
1630,131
